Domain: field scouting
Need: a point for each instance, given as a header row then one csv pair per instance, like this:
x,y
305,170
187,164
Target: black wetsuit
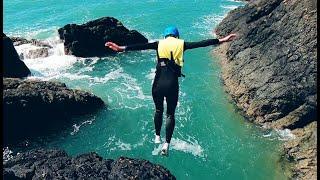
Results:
x,y
166,84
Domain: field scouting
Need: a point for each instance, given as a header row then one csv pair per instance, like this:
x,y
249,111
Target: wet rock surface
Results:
x,y
87,40
270,71
17,41
31,48
33,107
12,65
56,164
37,53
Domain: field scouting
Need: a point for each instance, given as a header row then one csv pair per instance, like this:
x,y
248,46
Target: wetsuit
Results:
x,y
166,83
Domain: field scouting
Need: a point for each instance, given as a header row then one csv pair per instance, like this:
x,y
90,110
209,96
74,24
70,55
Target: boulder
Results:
x,y
12,65
33,107
56,164
87,40
17,41
270,70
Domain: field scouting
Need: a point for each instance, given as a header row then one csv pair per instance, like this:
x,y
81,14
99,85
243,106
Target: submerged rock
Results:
x,y
12,65
33,107
270,70
87,40
56,164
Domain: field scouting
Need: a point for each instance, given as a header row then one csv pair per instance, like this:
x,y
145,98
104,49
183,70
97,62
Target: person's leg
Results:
x,y
172,101
158,102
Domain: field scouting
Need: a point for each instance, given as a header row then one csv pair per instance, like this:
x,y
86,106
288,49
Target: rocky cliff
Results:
x,y
12,65
270,71
87,40
56,164
32,107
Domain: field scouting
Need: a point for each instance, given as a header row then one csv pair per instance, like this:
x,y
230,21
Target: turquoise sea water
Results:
x,y
211,140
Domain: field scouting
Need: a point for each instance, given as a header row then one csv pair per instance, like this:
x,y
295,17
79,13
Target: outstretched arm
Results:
x,y
134,47
208,42
230,37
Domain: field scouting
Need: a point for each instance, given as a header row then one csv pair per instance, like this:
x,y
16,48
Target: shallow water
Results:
x,y
211,140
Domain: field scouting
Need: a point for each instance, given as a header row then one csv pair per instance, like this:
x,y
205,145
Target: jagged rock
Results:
x,y
12,65
302,152
270,70
17,41
127,168
56,164
33,107
87,40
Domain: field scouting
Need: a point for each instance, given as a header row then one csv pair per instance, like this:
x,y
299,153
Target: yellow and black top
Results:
x,y
171,48
170,44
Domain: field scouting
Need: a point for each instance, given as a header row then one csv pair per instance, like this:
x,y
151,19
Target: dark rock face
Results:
x,y
12,65
34,107
270,70
88,39
56,164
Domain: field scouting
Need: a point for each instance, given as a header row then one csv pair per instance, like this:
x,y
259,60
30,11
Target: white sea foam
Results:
x,y
76,127
156,150
123,146
282,135
285,134
50,66
151,74
206,24
229,7
110,76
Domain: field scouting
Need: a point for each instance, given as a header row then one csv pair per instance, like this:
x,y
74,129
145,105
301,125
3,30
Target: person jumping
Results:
x,y
166,85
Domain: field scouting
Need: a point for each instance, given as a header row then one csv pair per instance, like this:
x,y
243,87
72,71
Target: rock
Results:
x,y
33,107
12,65
31,49
17,41
56,164
37,53
87,40
302,151
127,168
270,70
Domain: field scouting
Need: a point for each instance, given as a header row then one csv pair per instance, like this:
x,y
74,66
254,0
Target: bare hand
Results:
x,y
230,37
114,46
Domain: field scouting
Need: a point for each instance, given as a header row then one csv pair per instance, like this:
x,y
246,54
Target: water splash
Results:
x,y
282,135
180,145
76,127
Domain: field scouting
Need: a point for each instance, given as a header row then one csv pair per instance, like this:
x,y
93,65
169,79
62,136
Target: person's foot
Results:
x,y
157,139
165,149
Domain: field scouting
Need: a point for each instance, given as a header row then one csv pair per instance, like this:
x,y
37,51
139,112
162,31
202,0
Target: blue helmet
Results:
x,y
171,30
